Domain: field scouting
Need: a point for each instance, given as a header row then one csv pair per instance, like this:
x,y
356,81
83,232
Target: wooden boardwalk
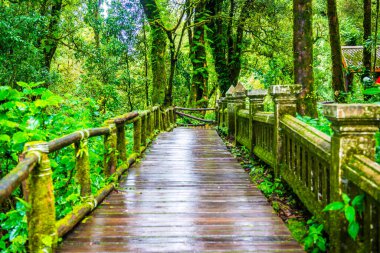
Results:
x,y
187,195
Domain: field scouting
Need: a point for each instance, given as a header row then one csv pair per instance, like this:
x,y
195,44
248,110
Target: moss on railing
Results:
x,y
317,167
42,225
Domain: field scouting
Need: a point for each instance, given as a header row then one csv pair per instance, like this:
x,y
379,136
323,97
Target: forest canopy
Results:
x,y
127,55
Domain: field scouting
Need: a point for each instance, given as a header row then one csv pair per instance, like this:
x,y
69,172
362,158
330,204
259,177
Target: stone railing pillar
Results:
x,y
354,127
42,230
223,117
284,97
217,112
256,104
239,98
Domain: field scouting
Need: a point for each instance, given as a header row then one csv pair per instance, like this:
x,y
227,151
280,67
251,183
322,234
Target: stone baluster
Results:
x,y
256,104
284,97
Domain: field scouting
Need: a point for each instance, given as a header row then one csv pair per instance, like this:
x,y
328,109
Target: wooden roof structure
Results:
x,y
353,58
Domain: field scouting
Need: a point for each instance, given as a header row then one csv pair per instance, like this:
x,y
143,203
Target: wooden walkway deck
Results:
x,y
187,195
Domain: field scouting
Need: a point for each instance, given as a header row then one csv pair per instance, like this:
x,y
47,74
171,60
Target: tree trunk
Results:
x,y
225,43
235,57
146,67
376,30
198,58
94,9
366,36
158,50
303,56
338,83
51,41
129,82
218,42
168,101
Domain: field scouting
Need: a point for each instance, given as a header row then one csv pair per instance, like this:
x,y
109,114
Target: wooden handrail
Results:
x,y
14,178
125,117
193,117
69,139
35,160
194,109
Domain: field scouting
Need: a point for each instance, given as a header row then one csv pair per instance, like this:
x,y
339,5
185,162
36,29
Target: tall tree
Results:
x,y
338,83
198,96
367,29
376,30
303,56
50,42
174,49
217,37
226,38
158,50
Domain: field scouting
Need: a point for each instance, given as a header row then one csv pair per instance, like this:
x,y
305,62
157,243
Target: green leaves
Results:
x,y
5,138
29,85
350,210
315,240
20,137
358,200
334,206
346,199
353,230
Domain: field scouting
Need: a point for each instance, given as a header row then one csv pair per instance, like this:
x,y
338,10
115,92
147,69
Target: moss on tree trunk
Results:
x,y
303,56
336,52
158,50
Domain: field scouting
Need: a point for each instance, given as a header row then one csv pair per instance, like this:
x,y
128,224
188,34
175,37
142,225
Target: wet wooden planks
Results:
x,y
187,195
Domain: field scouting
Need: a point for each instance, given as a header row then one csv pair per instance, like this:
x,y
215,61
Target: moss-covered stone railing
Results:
x,y
319,168
34,169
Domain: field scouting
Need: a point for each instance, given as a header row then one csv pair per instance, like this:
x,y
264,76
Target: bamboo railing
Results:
x,y
317,167
34,166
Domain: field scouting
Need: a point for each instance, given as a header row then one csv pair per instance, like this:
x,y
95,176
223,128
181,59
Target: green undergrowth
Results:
x,y
303,227
31,112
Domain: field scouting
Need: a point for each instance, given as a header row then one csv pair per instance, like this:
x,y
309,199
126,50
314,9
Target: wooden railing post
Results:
x,y
256,104
164,121
167,116
148,130
137,135
143,129
42,230
284,97
159,118
121,145
152,123
110,148
82,165
172,117
354,127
